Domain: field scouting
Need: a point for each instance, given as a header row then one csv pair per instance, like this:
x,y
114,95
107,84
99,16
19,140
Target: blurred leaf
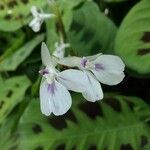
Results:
x,y
51,35
1,79
91,31
112,1
107,124
35,86
12,91
16,12
9,141
147,146
66,8
10,43
133,38
13,61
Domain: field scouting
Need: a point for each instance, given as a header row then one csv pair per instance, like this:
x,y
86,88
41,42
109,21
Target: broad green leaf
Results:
x,y
91,31
14,60
11,91
17,12
132,41
104,125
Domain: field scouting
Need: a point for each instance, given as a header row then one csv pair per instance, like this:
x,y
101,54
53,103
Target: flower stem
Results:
x,y
59,23
60,26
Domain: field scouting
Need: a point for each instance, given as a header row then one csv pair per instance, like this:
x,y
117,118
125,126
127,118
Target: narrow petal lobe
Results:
x,y
70,61
46,57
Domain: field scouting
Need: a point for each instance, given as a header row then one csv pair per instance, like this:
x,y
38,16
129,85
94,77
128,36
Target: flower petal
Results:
x,y
70,61
34,11
45,103
93,88
59,53
93,57
46,57
61,99
35,24
73,79
54,98
111,62
109,69
76,61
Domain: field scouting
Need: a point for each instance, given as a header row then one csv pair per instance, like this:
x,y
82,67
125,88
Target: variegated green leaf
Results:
x,y
133,38
17,12
111,123
11,91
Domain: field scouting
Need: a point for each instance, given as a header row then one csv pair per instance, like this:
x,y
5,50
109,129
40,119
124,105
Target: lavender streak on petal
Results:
x,y
51,88
99,67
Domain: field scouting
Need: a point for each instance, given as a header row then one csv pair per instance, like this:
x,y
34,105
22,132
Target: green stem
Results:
x,y
60,26
59,22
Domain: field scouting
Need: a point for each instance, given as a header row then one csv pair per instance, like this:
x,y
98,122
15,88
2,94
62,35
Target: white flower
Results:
x,y
60,49
39,18
85,83
108,69
106,11
54,96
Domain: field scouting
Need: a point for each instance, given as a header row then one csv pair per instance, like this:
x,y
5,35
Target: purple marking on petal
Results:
x,y
83,62
44,71
51,88
99,67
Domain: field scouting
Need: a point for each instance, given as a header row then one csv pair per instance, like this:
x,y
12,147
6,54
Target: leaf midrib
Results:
x,y
101,132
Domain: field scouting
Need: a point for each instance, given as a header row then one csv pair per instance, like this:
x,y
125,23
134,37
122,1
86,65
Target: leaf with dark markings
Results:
x,y
133,38
20,13
9,141
90,130
146,37
143,51
11,94
37,128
